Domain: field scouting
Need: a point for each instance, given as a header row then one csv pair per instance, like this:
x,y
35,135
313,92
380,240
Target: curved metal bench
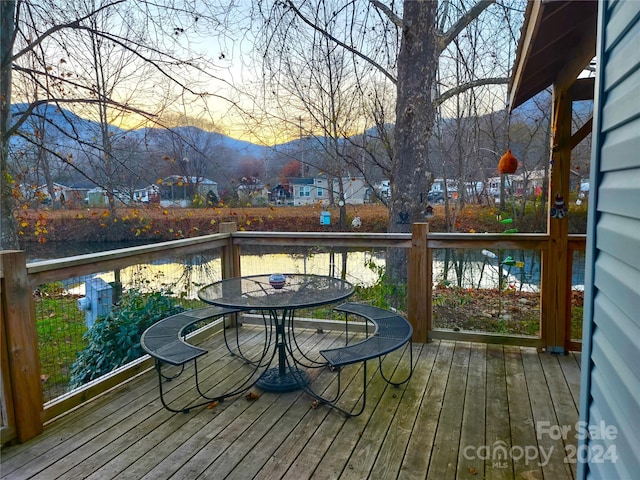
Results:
x,y
165,342
392,331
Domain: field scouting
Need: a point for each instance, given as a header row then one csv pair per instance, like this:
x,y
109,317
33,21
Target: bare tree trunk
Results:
x,y
43,163
8,231
417,65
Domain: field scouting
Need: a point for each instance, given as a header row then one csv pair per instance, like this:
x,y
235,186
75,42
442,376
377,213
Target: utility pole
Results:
x,y
301,146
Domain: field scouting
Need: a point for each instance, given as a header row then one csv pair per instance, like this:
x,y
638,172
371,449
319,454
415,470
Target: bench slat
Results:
x,y
392,331
373,347
178,353
163,339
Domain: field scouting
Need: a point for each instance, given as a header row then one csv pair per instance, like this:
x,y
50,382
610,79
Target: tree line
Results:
x,y
386,73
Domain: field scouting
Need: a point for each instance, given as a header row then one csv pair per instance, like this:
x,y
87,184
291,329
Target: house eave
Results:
x,y
557,42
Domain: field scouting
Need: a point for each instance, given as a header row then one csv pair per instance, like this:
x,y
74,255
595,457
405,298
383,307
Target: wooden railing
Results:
x,y
22,409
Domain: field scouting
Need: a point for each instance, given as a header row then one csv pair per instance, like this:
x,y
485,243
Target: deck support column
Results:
x,y
231,253
555,307
22,389
230,261
419,280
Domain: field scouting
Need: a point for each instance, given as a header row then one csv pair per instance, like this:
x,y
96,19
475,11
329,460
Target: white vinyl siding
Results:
x,y
610,391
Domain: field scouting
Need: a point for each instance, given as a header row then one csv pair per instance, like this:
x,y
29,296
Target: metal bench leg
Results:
x,y
389,380
161,379
346,328
238,349
364,391
363,403
333,403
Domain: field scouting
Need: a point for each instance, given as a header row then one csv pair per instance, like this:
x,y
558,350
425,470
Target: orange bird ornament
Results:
x,y
508,163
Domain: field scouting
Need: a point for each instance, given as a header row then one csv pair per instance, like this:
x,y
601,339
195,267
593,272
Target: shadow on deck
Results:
x,y
469,411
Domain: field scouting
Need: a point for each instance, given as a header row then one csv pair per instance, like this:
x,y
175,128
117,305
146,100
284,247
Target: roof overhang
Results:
x,y
557,42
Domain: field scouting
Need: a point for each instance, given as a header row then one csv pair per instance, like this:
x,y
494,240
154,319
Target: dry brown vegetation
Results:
x,y
154,223
157,223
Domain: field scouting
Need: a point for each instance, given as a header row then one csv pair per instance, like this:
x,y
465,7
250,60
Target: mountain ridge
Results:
x,y
72,124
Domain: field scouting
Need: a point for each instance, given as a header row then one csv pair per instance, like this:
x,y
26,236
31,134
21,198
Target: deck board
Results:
x,y
447,441
461,395
416,461
369,443
392,451
570,365
472,434
562,400
551,448
522,427
498,428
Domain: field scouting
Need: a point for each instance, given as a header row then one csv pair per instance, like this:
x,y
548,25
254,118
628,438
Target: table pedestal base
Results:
x,y
273,381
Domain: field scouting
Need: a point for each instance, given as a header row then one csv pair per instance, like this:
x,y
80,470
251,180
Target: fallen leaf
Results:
x,y
473,470
252,396
213,404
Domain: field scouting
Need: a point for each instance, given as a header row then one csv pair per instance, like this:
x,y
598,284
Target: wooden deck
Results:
x,y
469,411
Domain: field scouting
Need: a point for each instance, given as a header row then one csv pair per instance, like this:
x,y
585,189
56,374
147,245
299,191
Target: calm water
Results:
x,y
462,268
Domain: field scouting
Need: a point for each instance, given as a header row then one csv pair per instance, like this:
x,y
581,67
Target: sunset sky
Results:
x,y
231,79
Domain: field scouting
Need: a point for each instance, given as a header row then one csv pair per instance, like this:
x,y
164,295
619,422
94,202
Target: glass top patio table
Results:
x,y
256,292
280,298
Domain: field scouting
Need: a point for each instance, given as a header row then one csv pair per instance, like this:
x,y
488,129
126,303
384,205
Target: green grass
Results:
x,y
61,328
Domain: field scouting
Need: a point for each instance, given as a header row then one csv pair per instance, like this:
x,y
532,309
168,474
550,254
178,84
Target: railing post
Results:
x,y
555,291
21,338
230,254
419,277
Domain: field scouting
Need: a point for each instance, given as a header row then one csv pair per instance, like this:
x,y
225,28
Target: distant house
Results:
x,y
529,183
63,195
41,195
309,191
384,189
254,193
438,186
356,190
180,191
281,195
149,194
97,197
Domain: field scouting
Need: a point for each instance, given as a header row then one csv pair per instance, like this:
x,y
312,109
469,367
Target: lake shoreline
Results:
x,y
136,226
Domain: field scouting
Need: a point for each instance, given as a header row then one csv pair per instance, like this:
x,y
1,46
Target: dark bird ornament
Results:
x,y
559,209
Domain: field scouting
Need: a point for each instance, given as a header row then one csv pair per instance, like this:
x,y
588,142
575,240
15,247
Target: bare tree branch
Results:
x,y
467,86
349,48
56,28
446,38
65,160
395,19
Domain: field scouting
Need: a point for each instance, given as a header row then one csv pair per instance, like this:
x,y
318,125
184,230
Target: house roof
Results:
x,y
557,41
189,180
56,185
301,181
